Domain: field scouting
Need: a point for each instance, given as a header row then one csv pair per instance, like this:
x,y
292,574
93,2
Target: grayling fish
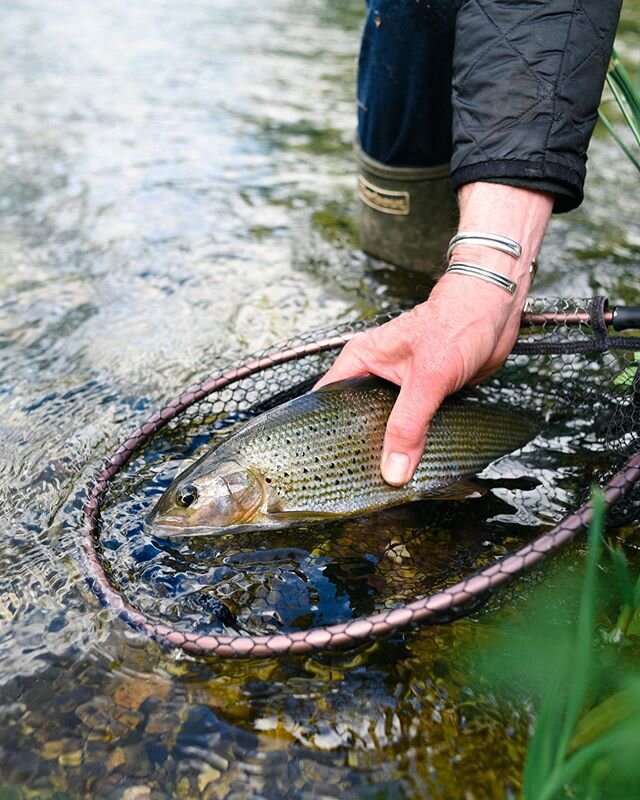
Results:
x,y
318,457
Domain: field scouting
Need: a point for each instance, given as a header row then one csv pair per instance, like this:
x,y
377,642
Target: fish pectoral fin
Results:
x,y
464,489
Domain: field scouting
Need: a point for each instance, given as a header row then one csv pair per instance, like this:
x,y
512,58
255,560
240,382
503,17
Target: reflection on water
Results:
x,y
176,189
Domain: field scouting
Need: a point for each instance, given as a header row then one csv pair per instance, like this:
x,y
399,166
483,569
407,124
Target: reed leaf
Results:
x,y
546,763
627,97
582,654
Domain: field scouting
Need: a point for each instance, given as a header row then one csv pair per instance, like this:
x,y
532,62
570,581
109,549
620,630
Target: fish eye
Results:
x,y
187,495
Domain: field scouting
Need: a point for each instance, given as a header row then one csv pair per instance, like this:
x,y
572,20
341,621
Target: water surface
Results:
x,y
176,189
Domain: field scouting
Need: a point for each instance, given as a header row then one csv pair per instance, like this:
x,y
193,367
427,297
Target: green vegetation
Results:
x,y
574,741
578,657
625,378
586,742
626,93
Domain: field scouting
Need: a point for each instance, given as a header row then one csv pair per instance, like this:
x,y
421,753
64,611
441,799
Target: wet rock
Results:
x,y
132,694
9,605
130,719
54,749
66,701
141,792
136,761
105,719
207,776
115,759
157,753
107,787
217,790
97,715
73,758
183,789
162,722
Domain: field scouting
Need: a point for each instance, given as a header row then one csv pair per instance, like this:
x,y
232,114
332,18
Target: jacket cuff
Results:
x,y
564,183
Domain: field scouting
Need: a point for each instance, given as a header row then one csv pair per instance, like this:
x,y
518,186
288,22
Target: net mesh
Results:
x,y
334,585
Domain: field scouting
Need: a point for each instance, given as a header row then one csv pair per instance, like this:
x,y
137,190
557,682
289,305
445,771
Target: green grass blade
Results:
x,y
543,746
630,118
569,770
582,651
621,77
564,698
619,141
627,97
612,711
623,80
619,744
621,568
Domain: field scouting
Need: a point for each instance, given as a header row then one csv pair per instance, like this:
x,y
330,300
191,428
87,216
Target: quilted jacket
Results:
x,y
527,80
506,90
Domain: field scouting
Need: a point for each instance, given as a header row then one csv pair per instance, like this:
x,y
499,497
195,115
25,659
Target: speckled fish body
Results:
x,y
318,455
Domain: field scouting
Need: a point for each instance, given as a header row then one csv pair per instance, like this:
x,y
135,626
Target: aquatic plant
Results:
x,y
597,748
572,647
626,93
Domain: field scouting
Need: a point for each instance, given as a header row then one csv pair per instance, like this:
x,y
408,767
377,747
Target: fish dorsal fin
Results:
x,y
360,382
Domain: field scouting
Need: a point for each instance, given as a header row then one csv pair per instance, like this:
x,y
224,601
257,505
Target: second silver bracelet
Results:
x,y
488,275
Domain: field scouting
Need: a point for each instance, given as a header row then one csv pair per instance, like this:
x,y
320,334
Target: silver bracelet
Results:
x,y
502,243
497,278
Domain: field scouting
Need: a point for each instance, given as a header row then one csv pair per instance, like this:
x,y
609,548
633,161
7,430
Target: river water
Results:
x,y
176,189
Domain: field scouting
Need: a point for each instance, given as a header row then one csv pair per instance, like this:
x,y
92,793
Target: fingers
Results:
x,y
407,427
349,364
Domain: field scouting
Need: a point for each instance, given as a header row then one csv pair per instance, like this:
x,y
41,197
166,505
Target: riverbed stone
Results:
x,y
131,695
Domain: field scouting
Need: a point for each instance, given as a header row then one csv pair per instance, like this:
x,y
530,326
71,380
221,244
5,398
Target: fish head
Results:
x,y
231,494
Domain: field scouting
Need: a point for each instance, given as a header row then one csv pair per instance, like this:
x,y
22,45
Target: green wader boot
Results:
x,y
407,215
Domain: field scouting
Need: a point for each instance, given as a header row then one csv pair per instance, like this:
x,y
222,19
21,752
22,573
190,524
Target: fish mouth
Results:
x,y
166,530
173,527
178,525
155,521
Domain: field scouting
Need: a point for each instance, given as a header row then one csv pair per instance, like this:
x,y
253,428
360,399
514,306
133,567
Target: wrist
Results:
x,y
519,214
522,214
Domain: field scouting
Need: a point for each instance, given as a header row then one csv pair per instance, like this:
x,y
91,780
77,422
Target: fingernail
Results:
x,y
396,469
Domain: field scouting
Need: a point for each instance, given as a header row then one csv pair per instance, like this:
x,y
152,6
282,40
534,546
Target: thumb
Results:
x,y
407,428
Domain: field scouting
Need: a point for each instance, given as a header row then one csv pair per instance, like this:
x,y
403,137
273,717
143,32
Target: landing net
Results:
x,y
330,586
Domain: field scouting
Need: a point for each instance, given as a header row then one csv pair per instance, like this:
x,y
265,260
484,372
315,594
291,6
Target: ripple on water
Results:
x,y
176,187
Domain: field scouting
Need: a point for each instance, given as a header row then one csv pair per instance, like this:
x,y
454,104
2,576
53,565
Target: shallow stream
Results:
x,y
176,190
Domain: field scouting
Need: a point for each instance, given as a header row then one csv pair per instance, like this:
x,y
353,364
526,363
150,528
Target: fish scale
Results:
x,y
321,452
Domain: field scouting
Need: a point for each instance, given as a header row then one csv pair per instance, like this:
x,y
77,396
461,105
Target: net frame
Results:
x,y
441,606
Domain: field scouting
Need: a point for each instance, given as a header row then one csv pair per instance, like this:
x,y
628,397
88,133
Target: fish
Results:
x,y
317,457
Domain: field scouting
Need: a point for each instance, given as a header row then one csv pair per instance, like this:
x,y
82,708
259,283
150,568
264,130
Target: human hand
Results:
x,y
459,336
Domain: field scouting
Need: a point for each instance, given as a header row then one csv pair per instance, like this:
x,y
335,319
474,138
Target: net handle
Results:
x,y
620,318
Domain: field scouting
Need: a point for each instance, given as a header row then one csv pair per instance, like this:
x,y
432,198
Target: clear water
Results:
x,y
176,188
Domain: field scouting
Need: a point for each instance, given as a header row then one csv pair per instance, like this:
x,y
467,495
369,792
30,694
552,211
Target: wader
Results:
x,y
407,210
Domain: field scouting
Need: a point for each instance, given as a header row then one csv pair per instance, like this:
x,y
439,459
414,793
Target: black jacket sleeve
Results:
x,y
527,81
